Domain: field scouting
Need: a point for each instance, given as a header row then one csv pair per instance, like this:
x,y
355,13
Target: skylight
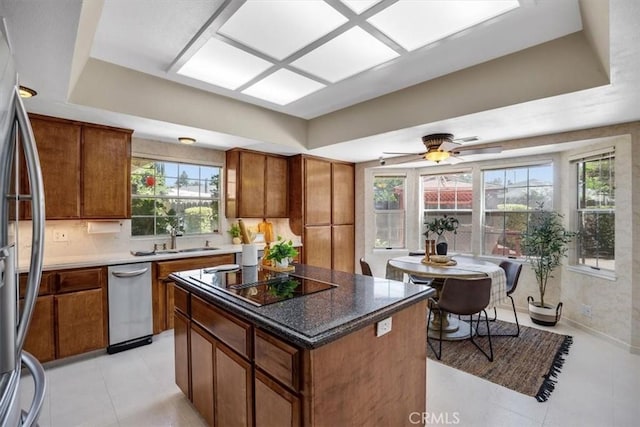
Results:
x,y
347,54
282,50
283,87
414,24
223,65
281,27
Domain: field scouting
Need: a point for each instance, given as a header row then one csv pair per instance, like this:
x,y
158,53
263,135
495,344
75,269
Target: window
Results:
x,y
510,196
596,212
451,195
169,194
389,211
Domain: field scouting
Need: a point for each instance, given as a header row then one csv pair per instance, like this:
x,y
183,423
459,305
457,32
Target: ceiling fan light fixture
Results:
x,y
436,155
433,143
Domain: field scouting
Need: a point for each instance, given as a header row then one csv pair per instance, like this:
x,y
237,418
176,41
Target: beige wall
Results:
x,y
614,299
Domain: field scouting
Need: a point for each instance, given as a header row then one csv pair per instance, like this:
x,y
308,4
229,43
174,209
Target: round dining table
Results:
x,y
466,267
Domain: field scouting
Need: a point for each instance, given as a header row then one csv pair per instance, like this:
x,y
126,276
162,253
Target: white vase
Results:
x,y
283,264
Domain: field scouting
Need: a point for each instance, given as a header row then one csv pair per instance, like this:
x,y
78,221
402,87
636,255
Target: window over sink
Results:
x,y
167,195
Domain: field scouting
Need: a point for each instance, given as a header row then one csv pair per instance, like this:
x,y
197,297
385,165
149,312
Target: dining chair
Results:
x,y
512,272
364,266
464,297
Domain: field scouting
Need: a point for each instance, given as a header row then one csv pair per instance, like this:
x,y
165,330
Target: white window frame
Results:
x,y
177,220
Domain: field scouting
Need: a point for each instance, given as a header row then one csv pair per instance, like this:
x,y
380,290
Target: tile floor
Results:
x,y
598,386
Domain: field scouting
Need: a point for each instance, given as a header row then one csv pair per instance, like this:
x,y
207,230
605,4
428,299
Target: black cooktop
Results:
x,y
277,289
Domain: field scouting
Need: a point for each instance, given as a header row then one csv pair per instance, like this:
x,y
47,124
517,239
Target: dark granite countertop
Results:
x,y
313,320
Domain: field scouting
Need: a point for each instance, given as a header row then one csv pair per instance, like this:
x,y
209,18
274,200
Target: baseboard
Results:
x,y
608,338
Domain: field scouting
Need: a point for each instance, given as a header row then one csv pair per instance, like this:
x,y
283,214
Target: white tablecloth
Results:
x,y
465,263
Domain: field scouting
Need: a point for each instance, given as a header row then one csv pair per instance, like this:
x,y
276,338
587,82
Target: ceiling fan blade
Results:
x,y
479,150
453,160
449,146
404,153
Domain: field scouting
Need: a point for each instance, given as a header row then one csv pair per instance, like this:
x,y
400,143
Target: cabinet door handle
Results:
x,y
132,273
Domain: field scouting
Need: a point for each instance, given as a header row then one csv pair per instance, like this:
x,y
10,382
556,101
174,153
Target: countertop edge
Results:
x,y
298,339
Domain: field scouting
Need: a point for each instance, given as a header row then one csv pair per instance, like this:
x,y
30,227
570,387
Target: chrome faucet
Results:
x,y
174,233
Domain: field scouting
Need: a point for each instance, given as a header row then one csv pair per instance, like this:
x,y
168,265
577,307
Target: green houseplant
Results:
x,y
545,244
439,226
282,252
235,233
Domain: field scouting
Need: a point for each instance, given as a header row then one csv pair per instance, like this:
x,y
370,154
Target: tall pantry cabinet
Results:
x,y
321,210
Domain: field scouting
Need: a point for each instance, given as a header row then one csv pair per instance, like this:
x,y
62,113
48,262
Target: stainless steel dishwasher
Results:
x,y
130,315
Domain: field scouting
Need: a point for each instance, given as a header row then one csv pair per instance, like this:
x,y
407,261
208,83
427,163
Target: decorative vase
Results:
x,y
283,263
236,240
441,245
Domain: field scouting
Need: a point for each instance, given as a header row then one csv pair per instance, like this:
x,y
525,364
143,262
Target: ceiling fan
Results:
x,y
442,146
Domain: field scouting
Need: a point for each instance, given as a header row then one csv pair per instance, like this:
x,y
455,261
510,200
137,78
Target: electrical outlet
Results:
x,y
586,310
383,327
60,236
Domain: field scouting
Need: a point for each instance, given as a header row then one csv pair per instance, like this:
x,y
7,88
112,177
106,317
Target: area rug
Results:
x,y
528,364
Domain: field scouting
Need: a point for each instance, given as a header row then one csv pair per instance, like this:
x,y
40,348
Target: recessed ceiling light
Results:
x,y
281,27
186,140
414,24
26,92
283,87
221,64
359,6
347,54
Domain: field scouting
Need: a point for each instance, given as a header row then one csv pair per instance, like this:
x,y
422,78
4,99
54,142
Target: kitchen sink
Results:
x,y
205,248
173,251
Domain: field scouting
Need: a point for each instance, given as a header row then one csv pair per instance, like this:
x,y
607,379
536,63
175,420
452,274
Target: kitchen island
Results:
x,y
313,347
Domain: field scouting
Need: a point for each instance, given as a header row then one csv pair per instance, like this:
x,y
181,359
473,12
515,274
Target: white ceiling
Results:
x,y
157,37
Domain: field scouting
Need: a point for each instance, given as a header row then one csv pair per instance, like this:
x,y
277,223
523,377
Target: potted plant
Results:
x,y
282,252
544,244
439,226
235,233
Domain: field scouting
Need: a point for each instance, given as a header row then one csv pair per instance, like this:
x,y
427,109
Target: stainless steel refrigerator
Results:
x,y
17,143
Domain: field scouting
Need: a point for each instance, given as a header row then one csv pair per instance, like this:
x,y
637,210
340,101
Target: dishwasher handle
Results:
x,y
132,273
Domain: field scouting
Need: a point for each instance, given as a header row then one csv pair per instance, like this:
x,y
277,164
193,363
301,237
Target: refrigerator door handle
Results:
x,y
30,417
8,354
36,188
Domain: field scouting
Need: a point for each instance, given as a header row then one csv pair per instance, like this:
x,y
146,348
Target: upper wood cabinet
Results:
x,y
257,185
85,168
321,210
106,173
59,144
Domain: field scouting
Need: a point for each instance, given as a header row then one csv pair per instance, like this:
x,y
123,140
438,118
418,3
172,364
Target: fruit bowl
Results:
x,y
440,259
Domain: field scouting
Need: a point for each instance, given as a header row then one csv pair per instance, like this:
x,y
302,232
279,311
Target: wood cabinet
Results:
x,y
242,375
70,315
80,319
162,291
223,384
106,170
256,185
321,210
221,380
85,168
40,340
59,144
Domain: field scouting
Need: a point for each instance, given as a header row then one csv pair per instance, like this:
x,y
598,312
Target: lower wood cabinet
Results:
x,y
70,315
221,381
275,405
162,289
40,340
80,322
181,352
216,369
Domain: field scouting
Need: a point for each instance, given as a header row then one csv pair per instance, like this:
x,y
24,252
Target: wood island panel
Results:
x,y
181,353
275,405
382,387
233,389
279,359
202,373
